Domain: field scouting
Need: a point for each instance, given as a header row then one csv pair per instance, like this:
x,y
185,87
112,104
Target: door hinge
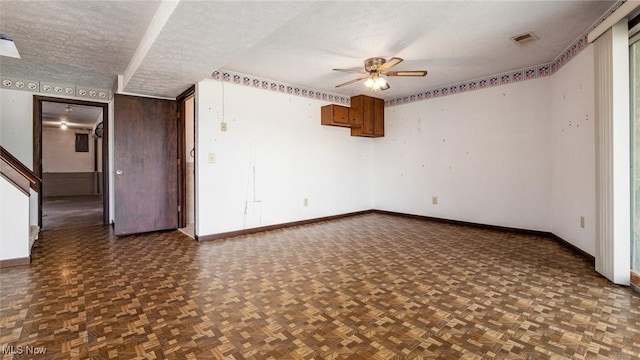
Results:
x,y
179,208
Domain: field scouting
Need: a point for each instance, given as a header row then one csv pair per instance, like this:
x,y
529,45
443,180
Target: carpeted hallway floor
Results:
x,y
367,287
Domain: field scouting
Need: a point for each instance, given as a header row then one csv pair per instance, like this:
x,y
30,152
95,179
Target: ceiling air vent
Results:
x,y
524,38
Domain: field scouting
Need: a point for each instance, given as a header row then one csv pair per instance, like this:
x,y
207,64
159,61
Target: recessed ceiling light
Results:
x,y
8,47
524,38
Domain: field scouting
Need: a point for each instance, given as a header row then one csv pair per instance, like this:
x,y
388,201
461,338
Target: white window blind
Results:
x,y
613,212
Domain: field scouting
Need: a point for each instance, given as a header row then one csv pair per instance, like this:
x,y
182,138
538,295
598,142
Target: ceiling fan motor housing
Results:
x,y
372,64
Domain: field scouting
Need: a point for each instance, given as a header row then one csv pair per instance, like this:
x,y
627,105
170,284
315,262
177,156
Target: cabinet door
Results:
x,y
368,116
334,115
355,112
341,115
378,117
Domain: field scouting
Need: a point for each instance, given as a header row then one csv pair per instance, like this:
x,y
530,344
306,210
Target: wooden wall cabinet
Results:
x,y
334,115
366,116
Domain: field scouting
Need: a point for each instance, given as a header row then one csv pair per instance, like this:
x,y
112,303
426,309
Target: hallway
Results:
x,y
63,212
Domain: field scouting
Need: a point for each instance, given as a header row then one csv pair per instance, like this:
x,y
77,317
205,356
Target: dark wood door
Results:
x,y
146,165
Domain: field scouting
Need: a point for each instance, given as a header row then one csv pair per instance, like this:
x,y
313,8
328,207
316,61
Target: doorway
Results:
x,y
70,156
149,163
186,110
634,62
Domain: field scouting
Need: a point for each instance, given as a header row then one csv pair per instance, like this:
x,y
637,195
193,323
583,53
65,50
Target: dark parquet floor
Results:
x,y
366,287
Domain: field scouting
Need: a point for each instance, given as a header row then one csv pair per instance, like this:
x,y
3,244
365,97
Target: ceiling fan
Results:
x,y
374,68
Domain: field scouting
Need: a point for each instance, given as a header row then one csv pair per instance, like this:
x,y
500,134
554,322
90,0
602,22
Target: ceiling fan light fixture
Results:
x,y
369,82
375,68
63,125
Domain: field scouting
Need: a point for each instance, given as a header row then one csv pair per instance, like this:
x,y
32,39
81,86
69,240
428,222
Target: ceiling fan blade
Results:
x,y
351,81
351,71
407,73
389,64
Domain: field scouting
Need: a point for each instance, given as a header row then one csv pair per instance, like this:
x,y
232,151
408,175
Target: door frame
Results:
x,y
37,147
182,156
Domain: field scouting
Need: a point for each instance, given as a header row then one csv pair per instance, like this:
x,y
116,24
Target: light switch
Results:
x,y
223,126
212,158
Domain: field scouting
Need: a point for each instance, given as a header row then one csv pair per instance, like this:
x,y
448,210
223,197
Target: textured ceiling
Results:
x,y
454,41
85,43
201,36
80,116
89,43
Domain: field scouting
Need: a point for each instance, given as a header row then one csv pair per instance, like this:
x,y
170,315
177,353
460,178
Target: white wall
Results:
x,y
59,151
573,157
16,134
16,124
294,157
484,154
14,222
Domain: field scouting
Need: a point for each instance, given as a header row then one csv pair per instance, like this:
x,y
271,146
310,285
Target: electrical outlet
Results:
x,y
212,158
434,200
582,222
305,202
223,126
